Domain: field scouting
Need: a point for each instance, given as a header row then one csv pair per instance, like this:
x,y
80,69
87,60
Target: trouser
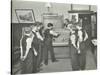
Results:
x,y
94,52
27,64
40,56
78,60
36,58
48,48
95,55
42,51
34,64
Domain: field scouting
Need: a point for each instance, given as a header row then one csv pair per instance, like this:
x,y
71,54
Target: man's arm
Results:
x,y
86,36
53,33
39,36
21,47
72,38
28,46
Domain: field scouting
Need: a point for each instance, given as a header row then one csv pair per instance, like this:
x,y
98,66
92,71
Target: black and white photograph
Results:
x,y
52,37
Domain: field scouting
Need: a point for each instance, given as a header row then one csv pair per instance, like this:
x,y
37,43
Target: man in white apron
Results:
x,y
48,47
26,50
78,48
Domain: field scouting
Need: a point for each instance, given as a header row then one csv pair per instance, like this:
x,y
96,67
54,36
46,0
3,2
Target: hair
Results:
x,y
38,24
49,24
67,20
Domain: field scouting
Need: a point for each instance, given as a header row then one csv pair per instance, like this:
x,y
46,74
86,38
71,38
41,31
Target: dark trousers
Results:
x,y
27,64
95,55
48,48
94,52
40,56
78,60
36,58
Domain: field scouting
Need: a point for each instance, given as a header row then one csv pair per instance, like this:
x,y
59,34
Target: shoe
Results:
x,y
38,69
41,65
55,60
46,63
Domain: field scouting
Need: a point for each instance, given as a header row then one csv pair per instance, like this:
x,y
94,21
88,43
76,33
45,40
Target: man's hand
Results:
x,y
79,51
57,35
35,53
23,58
94,42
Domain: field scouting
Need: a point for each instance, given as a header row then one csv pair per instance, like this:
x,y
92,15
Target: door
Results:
x,y
86,23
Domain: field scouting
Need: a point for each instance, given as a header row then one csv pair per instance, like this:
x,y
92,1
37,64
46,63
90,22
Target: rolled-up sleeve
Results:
x,y
53,33
86,36
39,36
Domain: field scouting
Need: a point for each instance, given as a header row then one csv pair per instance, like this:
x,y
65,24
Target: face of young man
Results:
x,y
66,22
34,28
51,27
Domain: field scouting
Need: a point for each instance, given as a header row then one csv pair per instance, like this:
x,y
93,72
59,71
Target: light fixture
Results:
x,y
48,6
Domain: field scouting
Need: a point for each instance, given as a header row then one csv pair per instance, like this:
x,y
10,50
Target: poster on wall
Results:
x,y
25,15
73,16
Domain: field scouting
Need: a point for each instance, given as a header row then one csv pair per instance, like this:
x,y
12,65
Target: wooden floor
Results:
x,y
64,63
